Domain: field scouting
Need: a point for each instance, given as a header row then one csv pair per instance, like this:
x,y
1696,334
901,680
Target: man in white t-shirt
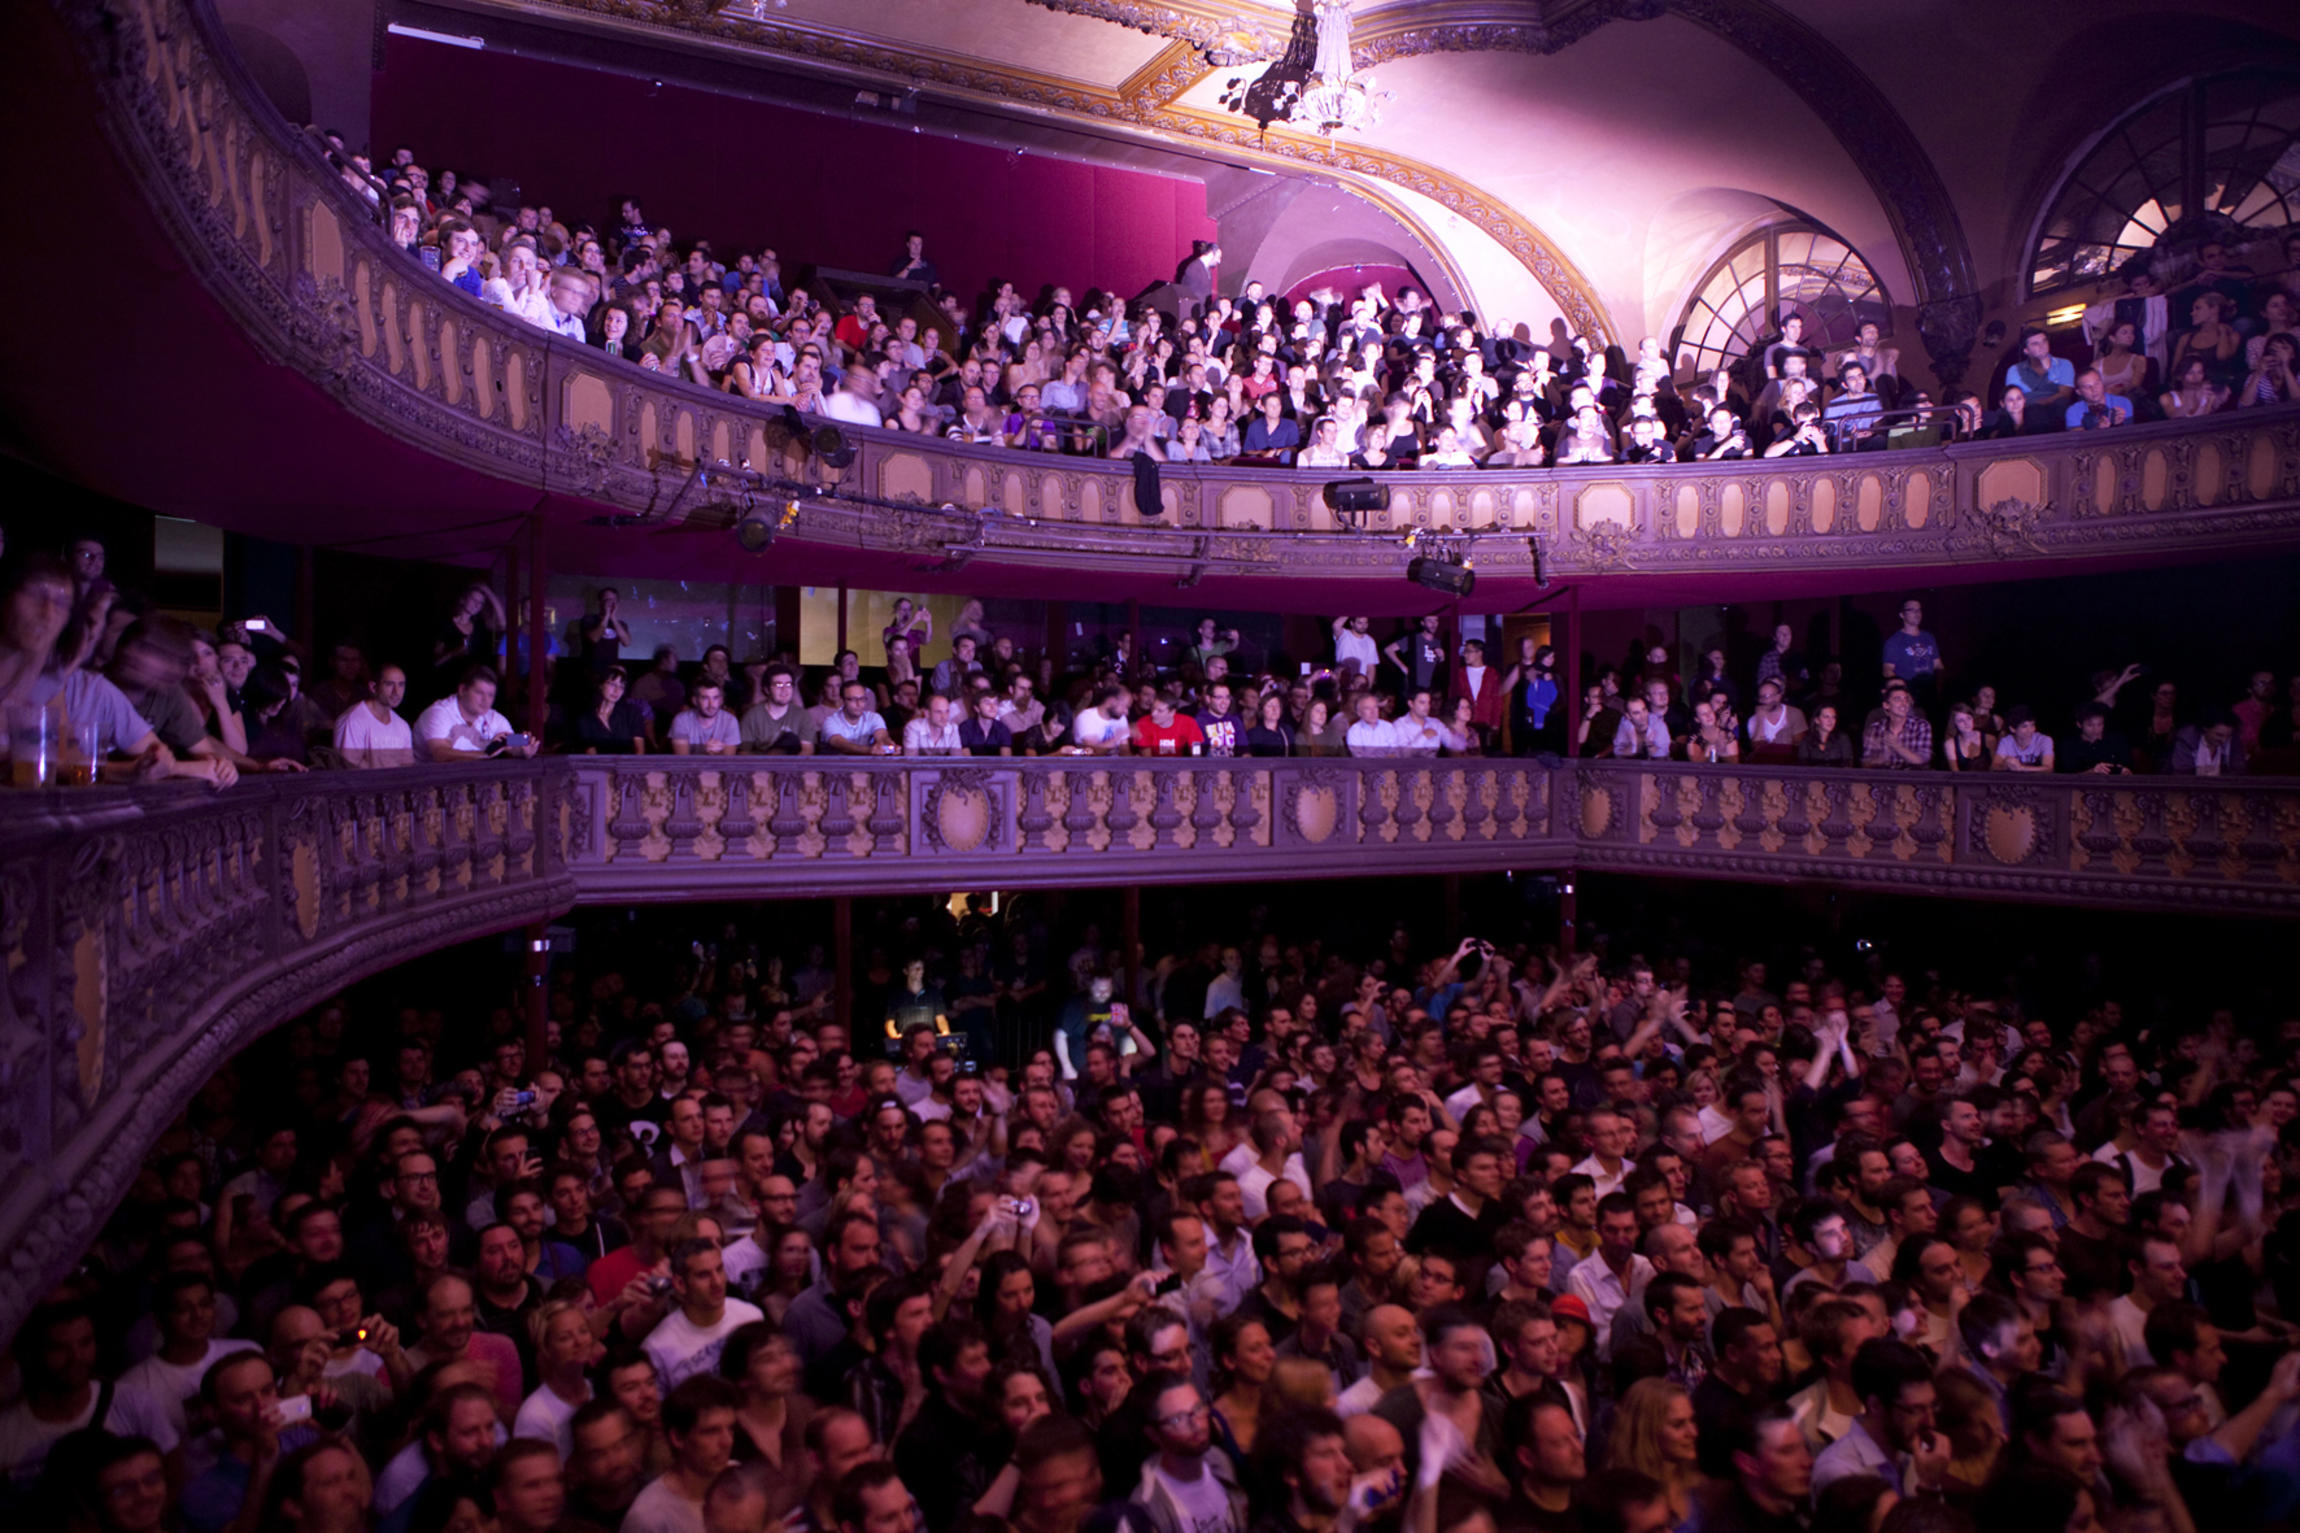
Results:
x,y
1188,1483
1371,735
2024,747
688,1340
57,1352
371,733
1102,728
464,725
1354,645
855,399
185,1308
704,727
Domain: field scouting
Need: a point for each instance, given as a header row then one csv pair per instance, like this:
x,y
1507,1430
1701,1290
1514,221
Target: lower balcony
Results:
x,y
149,934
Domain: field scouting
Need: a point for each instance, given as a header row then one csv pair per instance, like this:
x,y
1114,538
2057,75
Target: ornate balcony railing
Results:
x,y
301,263
151,933
678,828
148,934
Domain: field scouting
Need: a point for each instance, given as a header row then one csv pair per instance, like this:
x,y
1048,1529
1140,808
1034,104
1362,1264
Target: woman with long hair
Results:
x,y
1654,1434
1244,1360
613,725
1005,1305
2193,393
2123,366
1206,1118
1016,1394
1968,1226
1270,734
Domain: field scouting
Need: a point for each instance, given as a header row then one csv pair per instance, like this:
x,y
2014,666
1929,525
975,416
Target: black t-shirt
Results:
x,y
2077,754
1519,1515
1980,1182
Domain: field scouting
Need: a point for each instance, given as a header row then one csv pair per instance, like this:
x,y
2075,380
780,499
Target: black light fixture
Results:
x,y
1442,575
831,447
754,529
1540,562
1352,499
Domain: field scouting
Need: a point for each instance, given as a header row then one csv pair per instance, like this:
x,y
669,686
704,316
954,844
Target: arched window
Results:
x,y
1788,266
2227,146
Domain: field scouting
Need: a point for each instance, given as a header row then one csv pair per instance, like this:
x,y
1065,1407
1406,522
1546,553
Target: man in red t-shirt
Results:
x,y
1165,732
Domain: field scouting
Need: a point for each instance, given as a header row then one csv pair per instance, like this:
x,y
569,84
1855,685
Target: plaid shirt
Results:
x,y
1916,734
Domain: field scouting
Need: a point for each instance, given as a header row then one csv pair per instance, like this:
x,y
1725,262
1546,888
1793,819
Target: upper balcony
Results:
x,y
301,268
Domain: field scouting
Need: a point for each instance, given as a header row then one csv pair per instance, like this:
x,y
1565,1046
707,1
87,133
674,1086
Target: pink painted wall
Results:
x,y
744,174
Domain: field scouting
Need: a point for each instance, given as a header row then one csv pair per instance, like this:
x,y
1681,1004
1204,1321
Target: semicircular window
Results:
x,y
1787,266
2227,146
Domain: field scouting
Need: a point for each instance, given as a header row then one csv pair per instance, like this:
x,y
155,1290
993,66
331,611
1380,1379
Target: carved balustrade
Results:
x,y
301,263
672,828
151,933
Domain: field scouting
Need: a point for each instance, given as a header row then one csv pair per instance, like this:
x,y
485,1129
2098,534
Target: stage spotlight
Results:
x,y
754,530
832,448
1442,575
1352,499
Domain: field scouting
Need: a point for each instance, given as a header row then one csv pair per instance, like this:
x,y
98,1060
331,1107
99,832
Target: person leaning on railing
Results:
x,y
92,732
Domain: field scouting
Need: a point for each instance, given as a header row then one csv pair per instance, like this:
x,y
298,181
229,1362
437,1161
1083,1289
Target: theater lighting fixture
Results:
x,y
755,530
2066,314
831,447
1540,562
1352,499
1443,575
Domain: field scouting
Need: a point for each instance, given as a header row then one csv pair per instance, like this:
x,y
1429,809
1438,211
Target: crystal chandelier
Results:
x,y
1335,97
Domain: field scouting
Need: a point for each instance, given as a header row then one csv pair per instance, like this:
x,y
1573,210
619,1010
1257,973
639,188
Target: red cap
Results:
x,y
1571,1307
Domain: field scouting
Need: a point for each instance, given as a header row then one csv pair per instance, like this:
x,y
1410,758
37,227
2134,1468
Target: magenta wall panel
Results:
x,y
744,174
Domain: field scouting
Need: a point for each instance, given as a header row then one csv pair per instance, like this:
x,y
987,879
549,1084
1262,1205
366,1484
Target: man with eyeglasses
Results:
x,y
1188,1485
1893,1438
856,729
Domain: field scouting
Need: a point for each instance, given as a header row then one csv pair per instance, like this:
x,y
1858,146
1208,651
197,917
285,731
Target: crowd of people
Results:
x,y
1275,1235
1328,380
159,697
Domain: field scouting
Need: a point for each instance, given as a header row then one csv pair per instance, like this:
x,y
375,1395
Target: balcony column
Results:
x,y
538,999
538,663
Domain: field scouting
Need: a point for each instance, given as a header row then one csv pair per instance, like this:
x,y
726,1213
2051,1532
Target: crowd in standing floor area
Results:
x,y
1287,1237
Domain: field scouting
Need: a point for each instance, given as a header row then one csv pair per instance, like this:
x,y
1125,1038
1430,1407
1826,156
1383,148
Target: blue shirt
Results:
x,y
1912,655
215,1497
2078,412
2059,373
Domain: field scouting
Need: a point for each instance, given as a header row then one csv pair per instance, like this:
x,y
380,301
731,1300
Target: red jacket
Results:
x,y
1488,706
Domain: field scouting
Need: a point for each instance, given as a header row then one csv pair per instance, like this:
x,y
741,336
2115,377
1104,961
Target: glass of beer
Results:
x,y
32,745
83,749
